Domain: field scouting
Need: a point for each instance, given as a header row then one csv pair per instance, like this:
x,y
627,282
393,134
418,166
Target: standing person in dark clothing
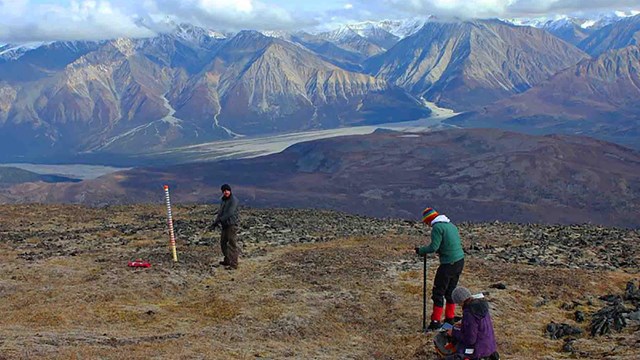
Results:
x,y
445,240
227,218
475,338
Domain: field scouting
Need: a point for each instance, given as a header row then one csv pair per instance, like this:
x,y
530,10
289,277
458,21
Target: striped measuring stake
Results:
x,y
172,236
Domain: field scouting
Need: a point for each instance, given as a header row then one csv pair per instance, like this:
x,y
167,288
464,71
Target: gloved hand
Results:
x,y
417,249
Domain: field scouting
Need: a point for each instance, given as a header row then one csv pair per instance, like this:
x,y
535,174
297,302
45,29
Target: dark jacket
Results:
x,y
475,338
228,212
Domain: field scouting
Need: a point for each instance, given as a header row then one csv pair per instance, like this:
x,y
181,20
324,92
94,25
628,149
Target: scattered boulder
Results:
x,y
611,299
568,345
499,286
556,331
609,317
632,293
615,315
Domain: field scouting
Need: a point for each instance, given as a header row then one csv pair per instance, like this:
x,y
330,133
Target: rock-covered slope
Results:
x,y
311,284
617,35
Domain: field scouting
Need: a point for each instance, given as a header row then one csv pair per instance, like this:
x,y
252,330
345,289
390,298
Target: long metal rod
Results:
x,y
424,294
172,237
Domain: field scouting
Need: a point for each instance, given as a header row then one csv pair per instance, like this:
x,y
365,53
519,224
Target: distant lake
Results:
x,y
83,172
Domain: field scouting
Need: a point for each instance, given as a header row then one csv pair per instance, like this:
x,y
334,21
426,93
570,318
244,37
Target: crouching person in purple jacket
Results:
x,y
475,338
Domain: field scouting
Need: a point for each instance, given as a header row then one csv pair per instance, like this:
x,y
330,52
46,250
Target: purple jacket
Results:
x,y
475,338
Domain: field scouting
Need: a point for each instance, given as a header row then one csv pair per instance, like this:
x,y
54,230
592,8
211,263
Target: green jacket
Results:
x,y
445,240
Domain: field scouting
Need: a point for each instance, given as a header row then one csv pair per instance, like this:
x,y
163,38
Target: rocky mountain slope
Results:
x,y
366,40
327,50
597,97
29,63
617,35
572,31
463,65
311,284
479,175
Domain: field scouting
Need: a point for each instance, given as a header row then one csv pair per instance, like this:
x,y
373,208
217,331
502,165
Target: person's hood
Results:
x,y
478,307
440,218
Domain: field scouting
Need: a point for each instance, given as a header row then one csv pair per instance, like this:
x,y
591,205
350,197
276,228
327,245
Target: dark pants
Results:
x,y
229,245
446,280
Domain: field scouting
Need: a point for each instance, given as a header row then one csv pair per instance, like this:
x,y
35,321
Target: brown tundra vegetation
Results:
x,y
311,285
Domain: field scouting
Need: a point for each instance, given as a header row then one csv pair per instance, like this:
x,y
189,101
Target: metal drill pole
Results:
x,y
424,294
172,237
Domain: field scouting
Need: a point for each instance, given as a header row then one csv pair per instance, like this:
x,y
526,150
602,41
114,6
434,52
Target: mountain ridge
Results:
x,y
575,101
463,65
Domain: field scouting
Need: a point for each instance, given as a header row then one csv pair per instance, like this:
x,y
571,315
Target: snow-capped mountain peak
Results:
x,y
194,34
15,51
587,22
399,28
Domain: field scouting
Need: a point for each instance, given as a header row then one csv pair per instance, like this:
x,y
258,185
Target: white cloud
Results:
x,y
13,7
30,20
499,8
78,20
245,6
37,20
228,14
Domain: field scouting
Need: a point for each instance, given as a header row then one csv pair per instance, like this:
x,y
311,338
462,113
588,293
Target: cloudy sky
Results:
x,y
44,20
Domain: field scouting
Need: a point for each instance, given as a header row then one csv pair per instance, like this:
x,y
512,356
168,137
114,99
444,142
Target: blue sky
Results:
x,y
45,20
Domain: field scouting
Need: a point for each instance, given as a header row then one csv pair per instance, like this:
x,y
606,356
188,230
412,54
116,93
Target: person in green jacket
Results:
x,y
445,240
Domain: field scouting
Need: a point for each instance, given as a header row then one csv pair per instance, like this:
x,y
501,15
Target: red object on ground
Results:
x,y
139,263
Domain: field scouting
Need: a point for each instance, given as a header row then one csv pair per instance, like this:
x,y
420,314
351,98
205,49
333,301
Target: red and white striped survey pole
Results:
x,y
170,220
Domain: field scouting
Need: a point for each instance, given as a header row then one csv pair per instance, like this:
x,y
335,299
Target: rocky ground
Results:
x,y
311,285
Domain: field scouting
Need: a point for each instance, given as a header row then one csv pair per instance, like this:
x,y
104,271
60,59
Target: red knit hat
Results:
x,y
428,215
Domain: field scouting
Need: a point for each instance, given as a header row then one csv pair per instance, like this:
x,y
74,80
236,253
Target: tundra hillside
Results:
x,y
311,285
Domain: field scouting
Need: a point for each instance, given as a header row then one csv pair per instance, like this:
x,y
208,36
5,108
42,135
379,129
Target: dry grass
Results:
x,y
353,298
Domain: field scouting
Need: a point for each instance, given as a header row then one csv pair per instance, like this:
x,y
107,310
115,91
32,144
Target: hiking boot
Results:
x,y
435,325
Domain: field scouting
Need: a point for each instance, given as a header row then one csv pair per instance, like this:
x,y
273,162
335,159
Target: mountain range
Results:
x,y
574,29
466,64
126,94
598,97
124,97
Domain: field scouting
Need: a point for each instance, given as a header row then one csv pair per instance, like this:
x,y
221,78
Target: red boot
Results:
x,y
450,313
